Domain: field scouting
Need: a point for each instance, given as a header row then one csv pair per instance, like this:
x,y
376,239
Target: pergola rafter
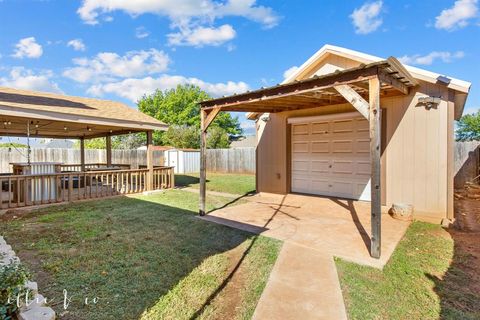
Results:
x,y
353,86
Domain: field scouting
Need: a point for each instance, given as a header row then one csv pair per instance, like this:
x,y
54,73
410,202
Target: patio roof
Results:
x,y
60,116
319,90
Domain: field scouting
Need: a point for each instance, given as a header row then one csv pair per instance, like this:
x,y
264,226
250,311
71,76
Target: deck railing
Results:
x,y
29,190
78,167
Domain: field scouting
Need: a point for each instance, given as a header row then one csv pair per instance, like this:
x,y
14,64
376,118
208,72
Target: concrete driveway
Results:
x,y
304,283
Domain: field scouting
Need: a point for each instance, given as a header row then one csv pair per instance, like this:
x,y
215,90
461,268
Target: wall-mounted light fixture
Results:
x,y
265,118
429,102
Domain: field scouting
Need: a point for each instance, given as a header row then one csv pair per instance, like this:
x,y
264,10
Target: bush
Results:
x,y
13,278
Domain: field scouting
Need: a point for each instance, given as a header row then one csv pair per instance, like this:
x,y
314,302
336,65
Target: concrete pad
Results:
x,y
302,285
337,226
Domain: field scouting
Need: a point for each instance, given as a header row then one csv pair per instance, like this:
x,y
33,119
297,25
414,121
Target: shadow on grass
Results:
x,y
183,180
126,251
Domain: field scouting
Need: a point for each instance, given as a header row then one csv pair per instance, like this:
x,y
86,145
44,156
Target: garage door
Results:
x,y
330,156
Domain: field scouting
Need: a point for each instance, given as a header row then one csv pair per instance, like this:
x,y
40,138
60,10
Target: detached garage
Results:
x,y
351,125
330,155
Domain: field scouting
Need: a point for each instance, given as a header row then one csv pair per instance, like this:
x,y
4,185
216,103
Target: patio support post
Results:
x,y
205,120
82,154
149,161
374,120
203,162
109,150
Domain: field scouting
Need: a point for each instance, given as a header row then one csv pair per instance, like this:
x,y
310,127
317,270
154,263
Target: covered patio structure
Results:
x,y
46,115
361,87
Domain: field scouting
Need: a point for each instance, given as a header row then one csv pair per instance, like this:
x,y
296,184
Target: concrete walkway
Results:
x,y
304,282
302,285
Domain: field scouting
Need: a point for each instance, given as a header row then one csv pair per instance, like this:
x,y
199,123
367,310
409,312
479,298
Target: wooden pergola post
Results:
x,y
82,154
149,161
206,118
109,150
203,163
376,209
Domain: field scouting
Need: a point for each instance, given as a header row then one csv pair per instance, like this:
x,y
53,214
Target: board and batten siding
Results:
x,y
416,158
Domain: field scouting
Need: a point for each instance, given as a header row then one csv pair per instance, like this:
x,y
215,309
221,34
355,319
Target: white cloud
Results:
x,y
27,48
457,16
186,16
77,45
22,78
141,33
108,66
290,71
367,18
133,89
201,36
430,58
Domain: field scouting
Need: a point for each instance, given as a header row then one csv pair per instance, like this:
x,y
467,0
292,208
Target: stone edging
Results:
x,y
36,309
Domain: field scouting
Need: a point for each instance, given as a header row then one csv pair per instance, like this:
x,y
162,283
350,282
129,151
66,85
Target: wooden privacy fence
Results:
x,y
235,160
467,160
27,190
133,158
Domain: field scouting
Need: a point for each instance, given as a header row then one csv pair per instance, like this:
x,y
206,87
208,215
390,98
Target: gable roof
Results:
x,y
420,74
461,88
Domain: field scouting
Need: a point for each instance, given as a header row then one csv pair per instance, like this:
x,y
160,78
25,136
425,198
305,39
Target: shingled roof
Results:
x,y
57,115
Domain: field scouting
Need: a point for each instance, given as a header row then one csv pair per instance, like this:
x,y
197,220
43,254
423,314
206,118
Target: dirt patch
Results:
x,y
466,262
229,296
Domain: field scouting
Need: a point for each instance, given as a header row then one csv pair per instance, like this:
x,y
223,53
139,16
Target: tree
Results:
x,y
182,137
126,141
217,138
468,127
180,107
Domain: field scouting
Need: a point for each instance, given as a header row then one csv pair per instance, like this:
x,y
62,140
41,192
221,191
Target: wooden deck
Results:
x,y
29,190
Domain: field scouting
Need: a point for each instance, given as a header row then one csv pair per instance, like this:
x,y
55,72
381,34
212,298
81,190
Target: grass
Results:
x,y
146,257
230,183
415,284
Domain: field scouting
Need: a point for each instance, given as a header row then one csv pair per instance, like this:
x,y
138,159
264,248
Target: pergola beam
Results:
x,y
354,98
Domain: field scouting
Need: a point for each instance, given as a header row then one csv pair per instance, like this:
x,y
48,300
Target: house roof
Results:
x,y
460,87
56,115
420,74
318,90
245,142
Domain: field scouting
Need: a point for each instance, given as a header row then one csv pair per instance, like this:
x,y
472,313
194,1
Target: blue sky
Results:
x,y
120,49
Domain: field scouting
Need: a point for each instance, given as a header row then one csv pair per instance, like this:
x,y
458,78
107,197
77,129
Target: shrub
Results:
x,y
13,278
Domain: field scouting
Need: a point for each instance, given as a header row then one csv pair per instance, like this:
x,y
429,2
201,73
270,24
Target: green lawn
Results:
x,y
230,183
146,257
425,279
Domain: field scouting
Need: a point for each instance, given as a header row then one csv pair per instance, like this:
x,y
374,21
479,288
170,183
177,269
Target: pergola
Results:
x,y
39,114
362,87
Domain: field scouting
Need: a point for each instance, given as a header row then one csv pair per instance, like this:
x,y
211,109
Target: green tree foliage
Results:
x,y
179,107
12,145
217,138
126,141
189,137
468,127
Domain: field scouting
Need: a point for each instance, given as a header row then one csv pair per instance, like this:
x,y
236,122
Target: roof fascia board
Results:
x,y
61,117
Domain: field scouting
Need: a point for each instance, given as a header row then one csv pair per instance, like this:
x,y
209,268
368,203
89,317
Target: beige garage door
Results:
x,y
330,156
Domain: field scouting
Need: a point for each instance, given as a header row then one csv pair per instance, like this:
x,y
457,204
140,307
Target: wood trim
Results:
x,y
450,156
289,157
